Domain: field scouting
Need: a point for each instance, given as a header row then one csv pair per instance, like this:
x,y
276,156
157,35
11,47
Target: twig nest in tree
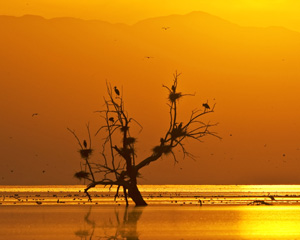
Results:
x,y
162,149
124,128
174,96
129,140
85,153
82,233
81,174
127,151
177,132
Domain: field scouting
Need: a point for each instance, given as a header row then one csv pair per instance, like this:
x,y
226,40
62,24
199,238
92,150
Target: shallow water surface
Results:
x,y
151,222
153,194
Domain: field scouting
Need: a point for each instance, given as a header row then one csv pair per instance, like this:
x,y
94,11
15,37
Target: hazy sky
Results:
x,y
58,69
244,12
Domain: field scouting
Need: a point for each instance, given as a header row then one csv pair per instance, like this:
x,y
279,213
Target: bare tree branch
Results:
x,y
120,166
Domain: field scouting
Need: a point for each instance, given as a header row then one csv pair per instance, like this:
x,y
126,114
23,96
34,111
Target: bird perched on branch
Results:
x,y
173,88
84,144
117,91
206,105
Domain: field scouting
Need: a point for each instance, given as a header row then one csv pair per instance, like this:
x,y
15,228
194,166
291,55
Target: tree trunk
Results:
x,y
136,195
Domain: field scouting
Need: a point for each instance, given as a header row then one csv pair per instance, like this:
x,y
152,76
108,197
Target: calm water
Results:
x,y
164,218
153,194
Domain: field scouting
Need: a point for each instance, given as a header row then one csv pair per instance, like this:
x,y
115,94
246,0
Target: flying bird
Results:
x,y
206,106
84,144
117,91
148,57
165,28
34,114
111,119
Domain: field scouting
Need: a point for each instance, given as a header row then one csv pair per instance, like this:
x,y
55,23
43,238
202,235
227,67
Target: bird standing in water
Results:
x,y
117,91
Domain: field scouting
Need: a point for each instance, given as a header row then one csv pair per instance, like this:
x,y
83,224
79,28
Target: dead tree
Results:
x,y
120,165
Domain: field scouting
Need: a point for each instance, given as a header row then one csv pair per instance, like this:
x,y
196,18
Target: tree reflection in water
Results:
x,y
115,227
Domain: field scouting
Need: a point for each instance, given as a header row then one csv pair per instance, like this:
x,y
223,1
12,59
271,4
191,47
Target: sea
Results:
x,y
173,212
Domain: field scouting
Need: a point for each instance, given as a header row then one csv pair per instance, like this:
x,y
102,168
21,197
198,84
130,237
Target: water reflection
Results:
x,y
152,222
272,222
88,231
121,225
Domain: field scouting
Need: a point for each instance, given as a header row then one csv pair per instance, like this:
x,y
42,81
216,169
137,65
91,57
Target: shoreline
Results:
x,y
172,199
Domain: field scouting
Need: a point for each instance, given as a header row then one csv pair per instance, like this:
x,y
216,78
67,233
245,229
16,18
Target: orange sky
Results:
x,y
245,12
58,68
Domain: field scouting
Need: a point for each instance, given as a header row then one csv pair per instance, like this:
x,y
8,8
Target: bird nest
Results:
x,y
178,132
127,151
81,174
162,149
85,153
129,140
124,128
174,96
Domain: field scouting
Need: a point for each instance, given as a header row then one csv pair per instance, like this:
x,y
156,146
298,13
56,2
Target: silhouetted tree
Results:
x,y
120,166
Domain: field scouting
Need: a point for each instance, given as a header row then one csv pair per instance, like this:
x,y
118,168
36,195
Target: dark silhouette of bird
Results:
x,y
271,197
34,114
44,171
148,57
165,28
84,144
173,88
180,126
111,119
117,91
206,106
162,141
